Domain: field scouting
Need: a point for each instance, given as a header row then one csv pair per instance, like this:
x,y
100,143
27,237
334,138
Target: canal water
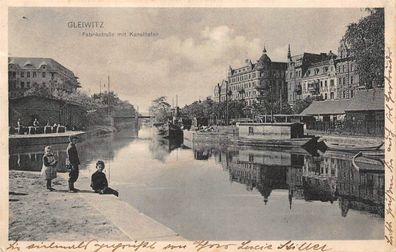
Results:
x,y
233,193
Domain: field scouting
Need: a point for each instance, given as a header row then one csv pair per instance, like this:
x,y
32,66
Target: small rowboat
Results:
x,y
352,147
367,164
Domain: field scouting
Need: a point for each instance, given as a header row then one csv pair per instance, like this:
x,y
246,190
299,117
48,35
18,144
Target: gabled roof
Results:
x,y
366,100
24,62
327,107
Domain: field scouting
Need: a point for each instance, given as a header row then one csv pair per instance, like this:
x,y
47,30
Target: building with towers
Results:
x,y
247,81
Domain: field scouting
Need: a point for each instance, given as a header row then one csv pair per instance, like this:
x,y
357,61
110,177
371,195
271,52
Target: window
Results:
x,y
34,74
22,84
343,81
325,96
332,95
351,79
351,93
43,74
28,84
22,74
28,74
14,74
325,83
331,83
343,94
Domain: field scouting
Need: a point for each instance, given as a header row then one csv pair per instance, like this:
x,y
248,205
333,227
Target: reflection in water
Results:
x,y
309,178
29,158
233,193
161,147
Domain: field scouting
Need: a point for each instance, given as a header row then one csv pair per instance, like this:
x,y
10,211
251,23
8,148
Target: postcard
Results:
x,y
197,126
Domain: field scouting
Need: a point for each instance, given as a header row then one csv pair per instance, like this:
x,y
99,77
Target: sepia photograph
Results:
x,y
265,128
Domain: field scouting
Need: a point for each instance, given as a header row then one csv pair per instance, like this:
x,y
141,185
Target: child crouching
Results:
x,y
99,182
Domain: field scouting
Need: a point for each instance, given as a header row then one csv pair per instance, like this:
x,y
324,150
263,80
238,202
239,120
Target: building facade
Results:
x,y
245,82
347,76
307,74
319,80
24,73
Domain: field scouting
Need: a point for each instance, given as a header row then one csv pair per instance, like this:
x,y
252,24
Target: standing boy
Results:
x,y
72,155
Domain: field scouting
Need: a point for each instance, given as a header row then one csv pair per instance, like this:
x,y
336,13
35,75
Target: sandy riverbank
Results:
x,y
37,214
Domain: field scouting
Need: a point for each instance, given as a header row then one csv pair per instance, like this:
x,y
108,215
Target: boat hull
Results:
x,y
352,147
306,142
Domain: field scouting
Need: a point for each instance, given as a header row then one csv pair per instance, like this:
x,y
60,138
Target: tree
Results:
x,y
39,90
160,109
300,105
107,98
365,41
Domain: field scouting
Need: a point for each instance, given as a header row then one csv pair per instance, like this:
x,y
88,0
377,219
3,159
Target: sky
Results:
x,y
189,56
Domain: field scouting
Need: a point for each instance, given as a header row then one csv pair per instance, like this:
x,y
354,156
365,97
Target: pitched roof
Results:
x,y
327,107
36,63
368,99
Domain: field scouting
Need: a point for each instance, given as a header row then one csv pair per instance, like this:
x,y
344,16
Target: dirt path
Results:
x,y
37,214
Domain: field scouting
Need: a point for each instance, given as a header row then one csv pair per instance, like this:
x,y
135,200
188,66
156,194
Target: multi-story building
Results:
x,y
220,91
319,80
24,73
347,76
246,81
297,67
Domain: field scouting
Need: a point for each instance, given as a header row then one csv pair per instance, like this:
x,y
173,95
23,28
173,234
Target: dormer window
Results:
x,y
316,71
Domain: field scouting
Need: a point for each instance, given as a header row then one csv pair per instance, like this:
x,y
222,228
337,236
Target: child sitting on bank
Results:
x,y
99,182
48,171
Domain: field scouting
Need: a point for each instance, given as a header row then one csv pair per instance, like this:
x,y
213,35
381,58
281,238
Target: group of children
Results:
x,y
99,181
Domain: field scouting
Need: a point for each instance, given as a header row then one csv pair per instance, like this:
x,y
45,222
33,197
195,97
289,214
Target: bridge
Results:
x,y
144,115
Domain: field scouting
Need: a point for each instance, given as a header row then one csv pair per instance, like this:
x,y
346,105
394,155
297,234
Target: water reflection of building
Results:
x,y
263,170
33,161
324,178
29,158
362,191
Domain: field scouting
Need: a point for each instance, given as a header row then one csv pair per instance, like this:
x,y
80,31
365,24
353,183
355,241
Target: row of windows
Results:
x,y
243,77
344,68
322,84
244,85
22,84
344,81
28,74
308,72
345,94
325,96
